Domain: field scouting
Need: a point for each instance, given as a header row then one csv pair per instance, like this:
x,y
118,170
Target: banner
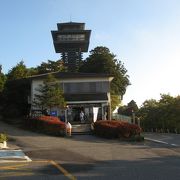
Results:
x,y
95,113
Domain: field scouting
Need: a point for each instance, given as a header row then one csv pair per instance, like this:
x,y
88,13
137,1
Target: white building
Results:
x,y
87,92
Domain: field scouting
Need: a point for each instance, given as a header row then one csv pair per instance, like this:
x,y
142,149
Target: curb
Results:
x,y
161,142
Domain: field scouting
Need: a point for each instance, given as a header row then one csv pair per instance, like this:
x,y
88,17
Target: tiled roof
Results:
x,y
70,75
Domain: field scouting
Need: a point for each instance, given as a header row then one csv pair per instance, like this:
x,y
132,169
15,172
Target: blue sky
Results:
x,y
144,34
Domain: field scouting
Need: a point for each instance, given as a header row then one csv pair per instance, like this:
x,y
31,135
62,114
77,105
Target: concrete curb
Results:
x,y
161,142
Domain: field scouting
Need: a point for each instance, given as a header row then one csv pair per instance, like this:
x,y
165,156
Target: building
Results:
x,y
87,92
84,92
71,40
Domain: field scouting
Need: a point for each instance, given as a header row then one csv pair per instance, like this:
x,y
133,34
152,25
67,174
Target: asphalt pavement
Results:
x,y
90,157
164,138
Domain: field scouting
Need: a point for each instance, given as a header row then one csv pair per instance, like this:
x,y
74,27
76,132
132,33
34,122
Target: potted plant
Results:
x,y
3,140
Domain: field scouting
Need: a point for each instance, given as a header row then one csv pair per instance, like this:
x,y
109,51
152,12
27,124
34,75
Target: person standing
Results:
x,y
82,117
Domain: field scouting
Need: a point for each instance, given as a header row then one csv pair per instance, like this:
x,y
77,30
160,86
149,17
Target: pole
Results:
x,y
133,117
66,116
139,122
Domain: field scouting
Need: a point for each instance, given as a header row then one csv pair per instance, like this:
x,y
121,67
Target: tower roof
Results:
x,y
70,26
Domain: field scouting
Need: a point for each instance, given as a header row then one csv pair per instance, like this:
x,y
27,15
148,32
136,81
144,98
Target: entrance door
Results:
x,y
75,114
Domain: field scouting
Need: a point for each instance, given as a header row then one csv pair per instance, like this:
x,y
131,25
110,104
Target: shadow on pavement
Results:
x,y
161,168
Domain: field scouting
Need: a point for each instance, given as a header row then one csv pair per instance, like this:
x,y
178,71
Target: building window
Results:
x,y
71,37
86,87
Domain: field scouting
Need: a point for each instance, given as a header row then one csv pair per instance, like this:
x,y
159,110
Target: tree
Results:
x,y
2,83
32,71
163,114
18,72
132,106
129,108
115,99
101,60
49,94
51,66
16,89
148,114
15,95
2,79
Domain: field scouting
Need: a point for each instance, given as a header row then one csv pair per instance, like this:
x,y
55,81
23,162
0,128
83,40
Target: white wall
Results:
x,y
34,86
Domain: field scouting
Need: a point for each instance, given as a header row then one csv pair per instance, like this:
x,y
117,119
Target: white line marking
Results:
x,y
174,144
154,140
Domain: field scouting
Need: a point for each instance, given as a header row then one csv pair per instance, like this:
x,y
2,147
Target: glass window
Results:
x,y
71,37
86,87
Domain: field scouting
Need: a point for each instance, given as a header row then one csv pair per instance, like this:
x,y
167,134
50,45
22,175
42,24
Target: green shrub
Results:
x,y
3,137
137,138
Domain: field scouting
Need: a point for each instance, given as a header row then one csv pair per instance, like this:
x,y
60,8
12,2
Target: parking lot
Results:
x,y
90,157
34,170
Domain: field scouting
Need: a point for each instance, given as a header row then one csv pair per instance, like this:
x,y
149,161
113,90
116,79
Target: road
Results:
x,y
170,139
89,157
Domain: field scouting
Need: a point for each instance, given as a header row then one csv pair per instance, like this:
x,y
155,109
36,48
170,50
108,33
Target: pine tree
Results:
x,y
49,94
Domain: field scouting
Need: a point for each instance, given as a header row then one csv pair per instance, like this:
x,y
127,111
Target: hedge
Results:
x,y
47,124
115,129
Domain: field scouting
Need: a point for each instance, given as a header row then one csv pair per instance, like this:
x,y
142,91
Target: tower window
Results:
x,y
71,37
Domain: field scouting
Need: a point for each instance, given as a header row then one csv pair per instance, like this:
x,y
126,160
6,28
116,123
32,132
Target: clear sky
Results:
x,y
144,34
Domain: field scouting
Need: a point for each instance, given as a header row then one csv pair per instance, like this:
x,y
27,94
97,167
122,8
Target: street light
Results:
x,y
133,116
66,114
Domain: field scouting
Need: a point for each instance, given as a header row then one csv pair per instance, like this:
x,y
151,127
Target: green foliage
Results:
x,y
49,94
15,97
18,72
3,137
50,66
163,114
127,110
132,106
2,80
101,60
32,71
15,90
115,100
2,84
137,138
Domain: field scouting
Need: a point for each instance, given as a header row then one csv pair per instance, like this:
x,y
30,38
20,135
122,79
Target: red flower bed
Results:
x,y
114,129
48,124
49,118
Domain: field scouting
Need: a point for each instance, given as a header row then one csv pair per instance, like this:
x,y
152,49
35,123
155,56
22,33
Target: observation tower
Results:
x,y
71,40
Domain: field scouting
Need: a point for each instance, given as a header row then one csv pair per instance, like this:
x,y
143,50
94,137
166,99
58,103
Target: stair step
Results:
x,y
81,128
81,133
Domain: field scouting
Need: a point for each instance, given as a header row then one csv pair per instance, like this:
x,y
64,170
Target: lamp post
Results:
x,y
66,114
138,120
133,116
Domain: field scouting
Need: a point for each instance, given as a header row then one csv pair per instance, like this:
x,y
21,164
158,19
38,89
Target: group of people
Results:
x,y
62,117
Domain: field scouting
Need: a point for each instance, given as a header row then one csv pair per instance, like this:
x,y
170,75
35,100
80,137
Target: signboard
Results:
x,y
95,113
53,113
